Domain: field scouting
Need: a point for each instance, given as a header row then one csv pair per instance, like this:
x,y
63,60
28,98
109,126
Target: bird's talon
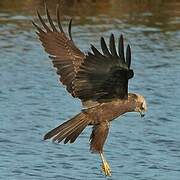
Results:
x,y
106,168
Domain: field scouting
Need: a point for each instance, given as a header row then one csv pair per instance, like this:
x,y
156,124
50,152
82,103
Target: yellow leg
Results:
x,y
105,166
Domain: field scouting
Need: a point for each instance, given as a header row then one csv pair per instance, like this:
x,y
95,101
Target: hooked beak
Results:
x,y
142,114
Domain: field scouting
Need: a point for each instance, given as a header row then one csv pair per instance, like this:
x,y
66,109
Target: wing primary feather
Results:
x,y
37,27
112,46
58,19
42,22
104,47
128,56
69,29
121,48
90,54
96,52
49,19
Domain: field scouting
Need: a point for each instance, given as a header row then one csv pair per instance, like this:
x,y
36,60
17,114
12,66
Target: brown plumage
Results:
x,y
100,80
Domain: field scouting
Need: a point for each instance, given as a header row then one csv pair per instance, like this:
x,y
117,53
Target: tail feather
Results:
x,y
70,129
73,136
54,131
67,130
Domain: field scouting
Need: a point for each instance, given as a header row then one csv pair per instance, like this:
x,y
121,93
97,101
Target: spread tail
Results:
x,y
69,130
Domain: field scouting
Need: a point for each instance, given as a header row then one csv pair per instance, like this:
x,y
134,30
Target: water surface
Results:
x,y
32,101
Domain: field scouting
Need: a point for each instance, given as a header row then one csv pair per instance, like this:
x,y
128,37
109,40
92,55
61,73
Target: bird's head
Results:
x,y
140,104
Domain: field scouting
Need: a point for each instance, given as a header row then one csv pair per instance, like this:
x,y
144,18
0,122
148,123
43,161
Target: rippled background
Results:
x,y
32,102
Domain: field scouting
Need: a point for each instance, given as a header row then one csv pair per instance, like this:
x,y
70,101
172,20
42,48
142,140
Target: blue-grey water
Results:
x,y
32,101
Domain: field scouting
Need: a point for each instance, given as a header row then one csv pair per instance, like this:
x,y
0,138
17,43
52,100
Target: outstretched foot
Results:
x,y
105,166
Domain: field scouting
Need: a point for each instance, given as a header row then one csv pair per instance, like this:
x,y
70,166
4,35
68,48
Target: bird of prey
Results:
x,y
98,79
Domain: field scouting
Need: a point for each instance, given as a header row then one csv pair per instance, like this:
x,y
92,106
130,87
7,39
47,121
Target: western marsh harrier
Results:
x,y
99,80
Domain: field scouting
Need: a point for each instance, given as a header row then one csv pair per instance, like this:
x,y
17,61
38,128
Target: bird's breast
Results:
x,y
108,111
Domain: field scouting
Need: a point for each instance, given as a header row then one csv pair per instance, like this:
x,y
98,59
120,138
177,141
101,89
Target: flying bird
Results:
x,y
98,79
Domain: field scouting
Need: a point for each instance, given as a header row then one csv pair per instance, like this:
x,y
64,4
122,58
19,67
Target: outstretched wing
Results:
x,y
66,57
104,76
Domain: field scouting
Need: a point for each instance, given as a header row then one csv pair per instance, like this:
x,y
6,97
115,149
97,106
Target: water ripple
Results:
x,y
32,101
